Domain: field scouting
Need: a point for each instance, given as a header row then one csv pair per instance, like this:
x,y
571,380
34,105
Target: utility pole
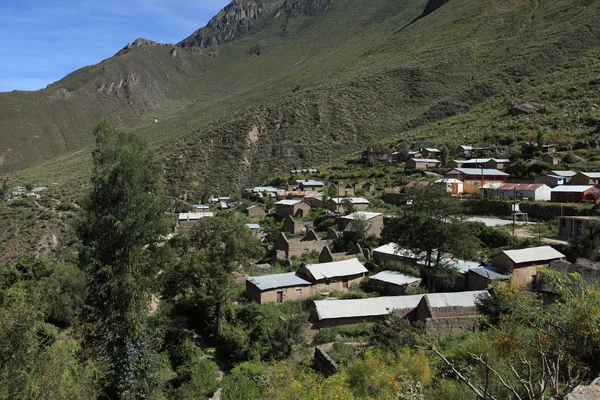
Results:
x,y
514,207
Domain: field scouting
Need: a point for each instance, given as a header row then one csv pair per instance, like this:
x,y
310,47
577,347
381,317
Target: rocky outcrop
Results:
x,y
139,43
243,17
520,107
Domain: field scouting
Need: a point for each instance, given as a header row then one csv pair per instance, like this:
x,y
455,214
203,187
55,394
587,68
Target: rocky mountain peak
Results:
x,y
138,43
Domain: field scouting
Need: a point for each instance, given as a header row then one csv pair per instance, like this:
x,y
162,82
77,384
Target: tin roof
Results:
x,y
394,249
457,299
336,269
564,174
362,215
432,150
594,175
268,282
194,216
288,202
425,160
533,254
477,171
353,200
572,188
309,182
370,307
461,266
448,180
491,273
253,226
521,186
395,277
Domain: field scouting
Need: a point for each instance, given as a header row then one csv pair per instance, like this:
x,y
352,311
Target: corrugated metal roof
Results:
x,y
332,309
195,216
253,226
394,249
448,180
466,147
521,186
564,174
260,189
478,171
395,277
353,200
309,182
336,269
432,150
594,175
288,202
572,188
477,160
268,282
533,254
461,266
458,299
362,215
425,160
491,273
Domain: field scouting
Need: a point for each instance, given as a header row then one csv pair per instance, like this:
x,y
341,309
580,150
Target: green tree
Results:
x,y
587,244
121,215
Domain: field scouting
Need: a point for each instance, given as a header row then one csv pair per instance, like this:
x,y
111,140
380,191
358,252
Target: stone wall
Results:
x,y
451,324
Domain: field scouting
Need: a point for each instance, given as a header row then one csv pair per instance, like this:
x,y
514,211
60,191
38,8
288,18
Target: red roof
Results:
x,y
521,186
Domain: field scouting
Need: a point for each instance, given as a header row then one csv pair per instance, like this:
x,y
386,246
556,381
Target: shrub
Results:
x,y
329,335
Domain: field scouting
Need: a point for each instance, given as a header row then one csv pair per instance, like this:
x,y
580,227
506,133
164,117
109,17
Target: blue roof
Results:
x,y
268,282
491,273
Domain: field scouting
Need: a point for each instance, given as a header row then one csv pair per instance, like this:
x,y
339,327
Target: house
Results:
x,y
285,249
482,278
430,152
523,263
294,208
309,184
345,190
327,256
399,156
393,283
339,203
368,187
255,211
461,267
585,178
374,222
524,191
489,163
571,226
332,276
474,178
254,228
464,150
188,219
453,185
550,159
574,193
549,148
260,192
200,208
290,225
422,163
555,178
439,312
277,288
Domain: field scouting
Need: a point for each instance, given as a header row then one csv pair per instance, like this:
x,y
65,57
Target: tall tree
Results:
x,y
121,215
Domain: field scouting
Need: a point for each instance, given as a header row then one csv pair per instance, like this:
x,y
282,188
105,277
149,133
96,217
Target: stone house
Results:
x,y
255,212
571,226
393,283
339,203
422,163
523,263
333,276
450,312
294,208
277,288
290,225
374,222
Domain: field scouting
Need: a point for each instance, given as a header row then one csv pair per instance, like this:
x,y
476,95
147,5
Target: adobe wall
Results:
x,y
451,324
525,276
391,289
335,284
323,363
289,293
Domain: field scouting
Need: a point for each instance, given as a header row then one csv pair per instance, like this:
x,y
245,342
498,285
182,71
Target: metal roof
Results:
x,y
331,309
572,188
260,189
288,202
461,266
542,253
268,282
594,175
491,273
353,200
200,206
521,186
476,160
458,299
253,226
309,182
425,160
478,171
395,277
195,216
432,150
448,180
564,174
394,249
336,269
362,215
466,147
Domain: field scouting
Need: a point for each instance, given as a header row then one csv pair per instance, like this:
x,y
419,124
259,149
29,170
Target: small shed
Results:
x,y
337,275
393,283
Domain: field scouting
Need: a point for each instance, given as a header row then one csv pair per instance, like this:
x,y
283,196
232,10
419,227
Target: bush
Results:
x,y
329,335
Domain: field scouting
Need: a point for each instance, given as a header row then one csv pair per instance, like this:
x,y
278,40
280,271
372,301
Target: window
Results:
x,y
280,297
299,292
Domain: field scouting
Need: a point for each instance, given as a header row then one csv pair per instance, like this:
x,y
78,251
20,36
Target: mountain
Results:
x,y
271,84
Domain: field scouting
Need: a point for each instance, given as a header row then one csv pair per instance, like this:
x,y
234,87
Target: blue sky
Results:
x,y
43,40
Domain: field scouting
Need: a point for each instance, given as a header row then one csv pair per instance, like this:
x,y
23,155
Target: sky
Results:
x,y
41,41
